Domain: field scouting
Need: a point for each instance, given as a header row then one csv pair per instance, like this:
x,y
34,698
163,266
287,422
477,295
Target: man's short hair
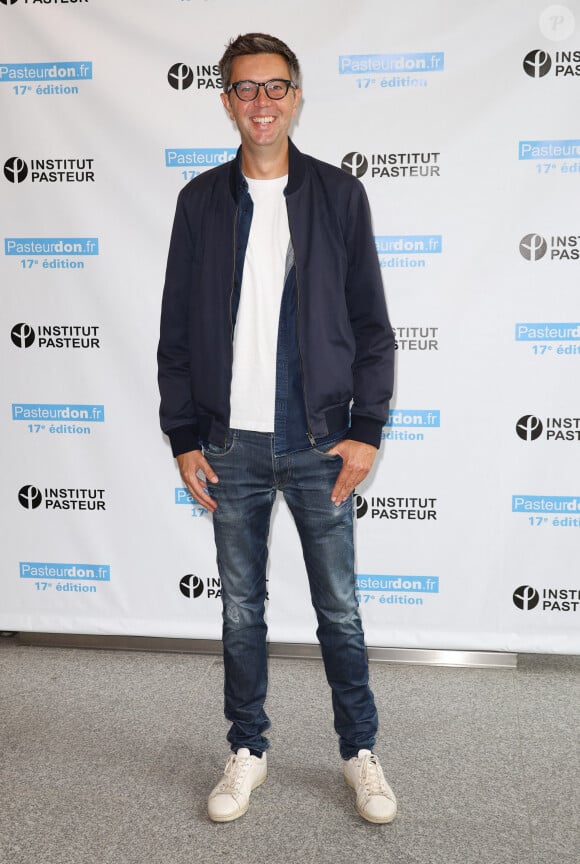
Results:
x,y
257,43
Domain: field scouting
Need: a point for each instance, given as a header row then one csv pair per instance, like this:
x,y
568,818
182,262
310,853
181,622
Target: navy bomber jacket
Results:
x,y
341,347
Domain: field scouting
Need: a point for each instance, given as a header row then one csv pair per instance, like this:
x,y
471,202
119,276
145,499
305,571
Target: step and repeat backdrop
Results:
x,y
461,120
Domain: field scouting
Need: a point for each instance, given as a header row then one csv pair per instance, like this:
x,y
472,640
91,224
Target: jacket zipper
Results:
x,y
311,437
233,276
232,311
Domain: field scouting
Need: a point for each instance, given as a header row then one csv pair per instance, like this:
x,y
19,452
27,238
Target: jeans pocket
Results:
x,y
214,451
322,450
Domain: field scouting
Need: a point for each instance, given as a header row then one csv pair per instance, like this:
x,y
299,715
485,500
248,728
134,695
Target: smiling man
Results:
x,y
275,371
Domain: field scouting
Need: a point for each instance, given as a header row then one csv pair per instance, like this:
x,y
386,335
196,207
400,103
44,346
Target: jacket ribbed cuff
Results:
x,y
366,430
183,439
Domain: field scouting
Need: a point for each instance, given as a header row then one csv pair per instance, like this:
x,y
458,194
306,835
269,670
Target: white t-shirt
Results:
x,y
256,333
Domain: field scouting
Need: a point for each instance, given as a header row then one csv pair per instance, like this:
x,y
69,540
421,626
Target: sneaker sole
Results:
x,y
375,821
240,812
364,815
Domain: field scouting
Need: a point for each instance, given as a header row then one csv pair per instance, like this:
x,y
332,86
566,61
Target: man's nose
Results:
x,y
262,98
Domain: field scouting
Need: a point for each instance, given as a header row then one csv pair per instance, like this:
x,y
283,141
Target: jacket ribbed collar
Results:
x,y
296,171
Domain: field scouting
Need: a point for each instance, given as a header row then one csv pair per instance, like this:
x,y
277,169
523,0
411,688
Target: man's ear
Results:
x,y
297,98
226,103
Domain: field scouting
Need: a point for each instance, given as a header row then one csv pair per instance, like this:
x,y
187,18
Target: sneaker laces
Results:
x,y
371,776
234,774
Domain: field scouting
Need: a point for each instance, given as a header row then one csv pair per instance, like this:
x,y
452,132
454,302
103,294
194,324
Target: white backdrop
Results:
x,y
461,120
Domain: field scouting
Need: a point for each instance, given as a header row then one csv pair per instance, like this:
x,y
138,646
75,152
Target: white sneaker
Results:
x,y
231,797
375,800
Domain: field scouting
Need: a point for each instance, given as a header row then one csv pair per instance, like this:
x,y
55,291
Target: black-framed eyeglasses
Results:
x,y
247,91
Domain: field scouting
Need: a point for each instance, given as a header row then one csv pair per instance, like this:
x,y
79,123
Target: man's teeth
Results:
x,y
263,119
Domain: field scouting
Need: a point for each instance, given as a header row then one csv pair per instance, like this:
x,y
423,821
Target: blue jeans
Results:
x,y
249,477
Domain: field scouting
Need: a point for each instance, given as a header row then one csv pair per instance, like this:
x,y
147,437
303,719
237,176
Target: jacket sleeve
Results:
x,y
177,411
373,367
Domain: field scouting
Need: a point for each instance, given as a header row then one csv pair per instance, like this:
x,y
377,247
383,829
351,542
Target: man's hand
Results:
x,y
189,465
357,461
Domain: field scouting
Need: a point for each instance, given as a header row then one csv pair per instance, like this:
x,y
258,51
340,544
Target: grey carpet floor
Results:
x,y
107,756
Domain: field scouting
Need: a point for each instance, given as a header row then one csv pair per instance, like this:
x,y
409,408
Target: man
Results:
x,y
275,371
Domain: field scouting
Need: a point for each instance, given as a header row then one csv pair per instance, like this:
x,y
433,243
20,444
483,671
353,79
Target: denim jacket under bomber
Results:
x,y
334,366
